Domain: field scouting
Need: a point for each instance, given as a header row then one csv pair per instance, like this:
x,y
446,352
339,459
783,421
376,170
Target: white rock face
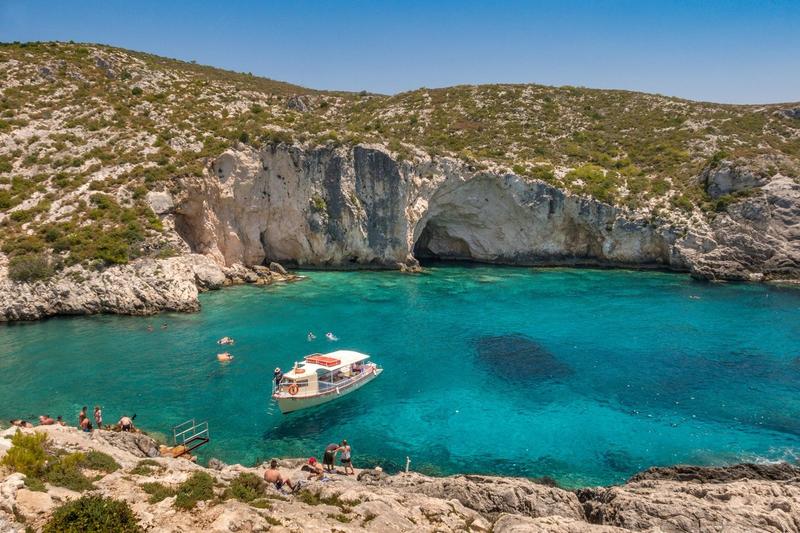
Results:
x,y
360,207
140,288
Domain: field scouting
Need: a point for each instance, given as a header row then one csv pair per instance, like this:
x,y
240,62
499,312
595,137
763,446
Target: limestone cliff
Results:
x,y
361,207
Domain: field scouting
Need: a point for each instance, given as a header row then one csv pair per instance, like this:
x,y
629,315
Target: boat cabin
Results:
x,y
318,373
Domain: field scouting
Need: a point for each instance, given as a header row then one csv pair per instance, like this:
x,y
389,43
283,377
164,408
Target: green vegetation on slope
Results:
x,y
86,131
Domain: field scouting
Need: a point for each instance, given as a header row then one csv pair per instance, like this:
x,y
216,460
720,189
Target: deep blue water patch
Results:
x,y
583,375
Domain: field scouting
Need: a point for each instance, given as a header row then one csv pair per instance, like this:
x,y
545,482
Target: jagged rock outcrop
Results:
x,y
738,498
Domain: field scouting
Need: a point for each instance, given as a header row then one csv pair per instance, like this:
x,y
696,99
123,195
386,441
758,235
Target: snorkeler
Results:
x,y
331,337
311,336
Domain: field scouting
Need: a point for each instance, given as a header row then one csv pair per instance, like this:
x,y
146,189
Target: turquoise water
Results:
x,y
583,375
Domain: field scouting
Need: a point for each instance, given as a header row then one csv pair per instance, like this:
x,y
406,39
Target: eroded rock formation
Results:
x,y
360,207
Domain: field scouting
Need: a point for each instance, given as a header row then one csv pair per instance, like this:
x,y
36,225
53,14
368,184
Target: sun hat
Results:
x,y
312,460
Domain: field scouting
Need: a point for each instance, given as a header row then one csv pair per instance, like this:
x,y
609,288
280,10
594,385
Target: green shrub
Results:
x,y
35,484
318,204
95,514
145,467
65,472
198,487
30,267
136,91
157,491
246,487
27,454
100,461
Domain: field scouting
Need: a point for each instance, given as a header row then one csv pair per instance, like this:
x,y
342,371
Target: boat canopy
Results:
x,y
324,363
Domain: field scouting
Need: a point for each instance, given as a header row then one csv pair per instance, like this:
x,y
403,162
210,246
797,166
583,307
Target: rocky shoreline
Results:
x,y
144,287
744,497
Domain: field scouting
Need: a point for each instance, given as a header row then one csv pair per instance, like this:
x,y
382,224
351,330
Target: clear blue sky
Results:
x,y
724,51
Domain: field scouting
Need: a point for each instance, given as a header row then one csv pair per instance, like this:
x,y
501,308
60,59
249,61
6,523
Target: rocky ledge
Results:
x,y
736,498
143,287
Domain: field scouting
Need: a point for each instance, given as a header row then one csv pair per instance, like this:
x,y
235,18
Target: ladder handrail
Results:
x,y
193,430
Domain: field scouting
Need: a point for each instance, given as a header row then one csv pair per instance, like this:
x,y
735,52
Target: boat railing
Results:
x,y
355,376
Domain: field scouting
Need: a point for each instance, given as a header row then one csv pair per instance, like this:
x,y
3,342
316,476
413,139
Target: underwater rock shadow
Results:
x,y
746,375
518,358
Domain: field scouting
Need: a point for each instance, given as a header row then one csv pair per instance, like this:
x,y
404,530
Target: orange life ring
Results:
x,y
293,389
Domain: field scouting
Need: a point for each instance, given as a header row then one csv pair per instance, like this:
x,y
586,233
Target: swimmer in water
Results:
x,y
331,337
224,356
311,336
149,327
164,325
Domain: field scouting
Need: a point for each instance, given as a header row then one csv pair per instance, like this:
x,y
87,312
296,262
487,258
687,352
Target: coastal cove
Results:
x,y
586,376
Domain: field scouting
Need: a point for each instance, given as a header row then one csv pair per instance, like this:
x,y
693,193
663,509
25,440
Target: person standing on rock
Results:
x,y
330,456
347,461
98,416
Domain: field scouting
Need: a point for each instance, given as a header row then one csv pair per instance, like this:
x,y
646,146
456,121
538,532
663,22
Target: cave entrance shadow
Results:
x,y
438,242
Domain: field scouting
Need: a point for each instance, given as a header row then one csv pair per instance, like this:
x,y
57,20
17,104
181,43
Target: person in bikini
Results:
x,y
273,475
347,462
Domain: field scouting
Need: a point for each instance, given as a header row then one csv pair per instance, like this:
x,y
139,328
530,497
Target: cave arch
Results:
x,y
440,239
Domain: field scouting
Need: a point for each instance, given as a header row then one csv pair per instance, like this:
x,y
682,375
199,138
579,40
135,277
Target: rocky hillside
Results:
x,y
153,493
110,157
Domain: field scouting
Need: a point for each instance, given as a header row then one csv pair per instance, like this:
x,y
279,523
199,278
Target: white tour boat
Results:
x,y
320,378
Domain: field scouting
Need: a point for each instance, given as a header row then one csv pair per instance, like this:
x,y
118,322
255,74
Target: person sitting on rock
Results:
x,y
314,469
272,475
45,420
125,423
60,421
86,424
82,415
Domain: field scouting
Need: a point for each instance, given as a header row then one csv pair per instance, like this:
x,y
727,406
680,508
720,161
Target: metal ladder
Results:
x,y
190,435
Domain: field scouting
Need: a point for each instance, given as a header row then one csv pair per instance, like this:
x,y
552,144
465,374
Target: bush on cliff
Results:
x,y
93,513
27,454
198,487
29,267
65,472
246,487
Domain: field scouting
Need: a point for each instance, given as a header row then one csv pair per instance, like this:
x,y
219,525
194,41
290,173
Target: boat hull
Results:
x,y
288,404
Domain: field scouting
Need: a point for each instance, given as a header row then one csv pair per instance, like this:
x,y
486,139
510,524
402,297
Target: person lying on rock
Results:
x,y
21,423
272,475
45,420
